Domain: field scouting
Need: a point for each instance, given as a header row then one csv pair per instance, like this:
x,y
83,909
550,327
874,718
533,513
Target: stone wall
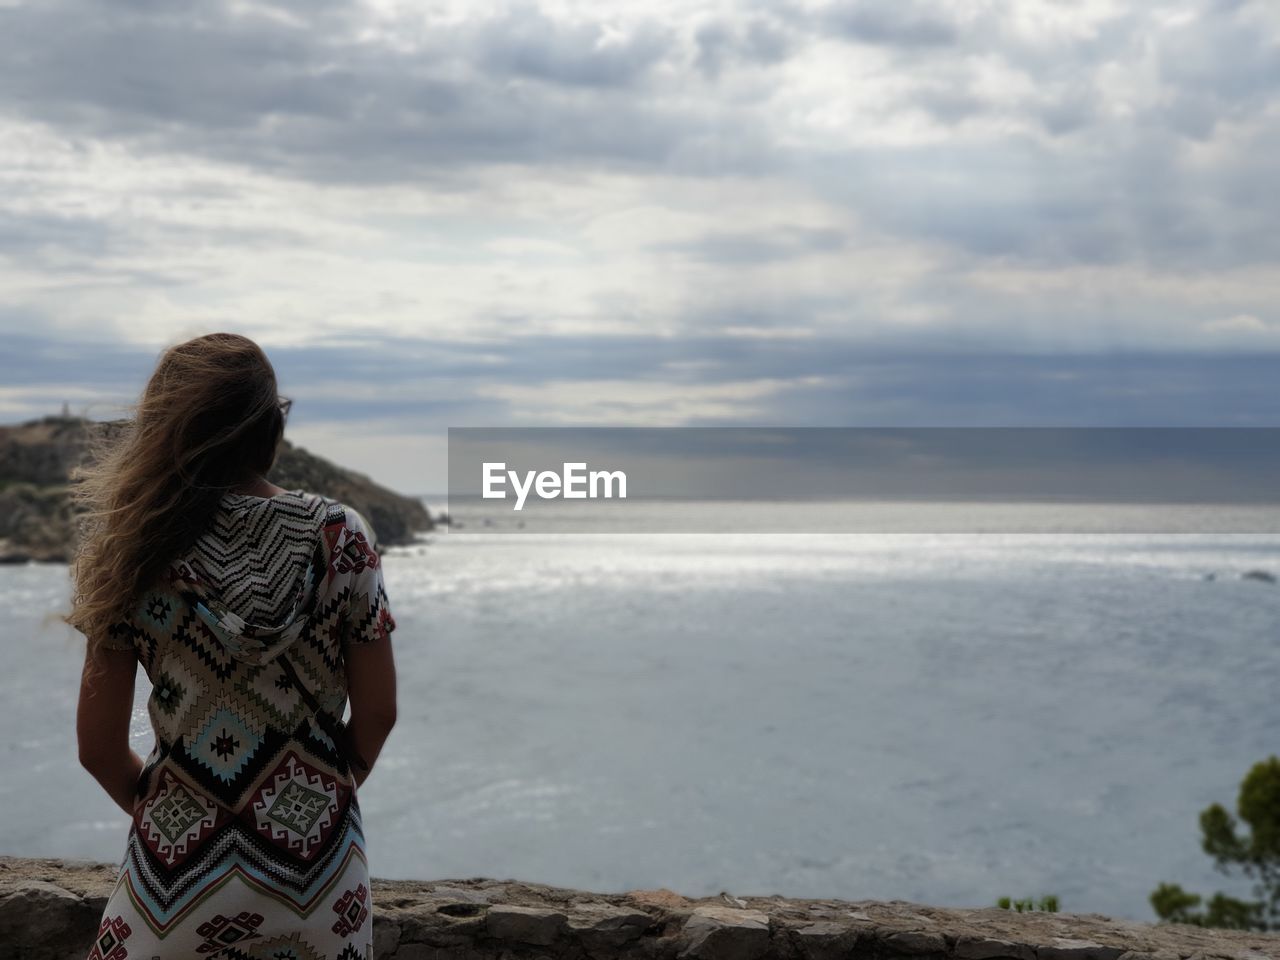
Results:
x,y
49,910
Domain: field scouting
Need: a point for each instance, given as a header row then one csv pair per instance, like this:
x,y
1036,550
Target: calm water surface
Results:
x,y
940,718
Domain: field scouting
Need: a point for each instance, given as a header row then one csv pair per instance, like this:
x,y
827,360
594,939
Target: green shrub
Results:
x,y
1257,854
1046,904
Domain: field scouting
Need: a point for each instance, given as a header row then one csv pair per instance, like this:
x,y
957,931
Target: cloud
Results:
x,y
884,211
1221,66
782,243
308,97
896,23
719,377
525,42
759,40
1241,323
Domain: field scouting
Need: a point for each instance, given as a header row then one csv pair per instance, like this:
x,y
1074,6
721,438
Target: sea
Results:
x,y
945,718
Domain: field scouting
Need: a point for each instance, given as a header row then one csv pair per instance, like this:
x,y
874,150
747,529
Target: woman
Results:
x,y
255,612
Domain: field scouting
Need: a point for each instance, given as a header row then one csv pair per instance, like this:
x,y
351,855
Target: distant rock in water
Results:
x,y
1262,576
36,459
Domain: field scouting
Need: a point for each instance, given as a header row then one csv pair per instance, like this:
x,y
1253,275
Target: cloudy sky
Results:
x,y
652,213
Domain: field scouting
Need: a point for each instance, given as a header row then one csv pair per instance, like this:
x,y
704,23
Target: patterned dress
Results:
x,y
246,839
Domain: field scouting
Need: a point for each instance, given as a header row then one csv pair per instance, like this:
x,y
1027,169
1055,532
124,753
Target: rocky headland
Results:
x,y
50,909
36,459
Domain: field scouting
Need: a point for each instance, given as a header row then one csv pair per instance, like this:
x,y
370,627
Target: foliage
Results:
x,y
1047,904
1257,855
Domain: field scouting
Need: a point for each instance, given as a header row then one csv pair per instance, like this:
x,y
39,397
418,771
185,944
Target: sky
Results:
x,y
883,213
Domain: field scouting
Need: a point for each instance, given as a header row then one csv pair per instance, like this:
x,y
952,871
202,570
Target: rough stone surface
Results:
x,y
989,948
524,924
604,927
714,932
917,944
1065,948
49,910
825,940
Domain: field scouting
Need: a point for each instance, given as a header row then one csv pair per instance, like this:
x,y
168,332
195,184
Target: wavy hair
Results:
x,y
209,419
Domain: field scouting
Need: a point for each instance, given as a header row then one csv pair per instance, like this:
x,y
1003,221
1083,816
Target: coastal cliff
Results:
x,y
50,909
36,459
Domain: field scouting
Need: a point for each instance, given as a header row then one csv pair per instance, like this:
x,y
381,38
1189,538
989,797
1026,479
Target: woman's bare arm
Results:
x,y
371,687
102,724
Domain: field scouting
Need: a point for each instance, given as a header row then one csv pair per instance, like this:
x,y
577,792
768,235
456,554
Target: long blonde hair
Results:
x,y
209,419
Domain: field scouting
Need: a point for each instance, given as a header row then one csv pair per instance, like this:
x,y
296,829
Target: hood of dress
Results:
x,y
252,576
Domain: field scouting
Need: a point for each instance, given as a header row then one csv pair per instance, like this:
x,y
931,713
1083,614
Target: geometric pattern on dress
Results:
x,y
158,608
353,553
174,820
195,635
267,687
290,947
226,750
352,909
220,932
367,613
244,790
376,618
249,552
109,943
320,745
319,652
297,806
225,744
165,898
318,660
178,693
286,931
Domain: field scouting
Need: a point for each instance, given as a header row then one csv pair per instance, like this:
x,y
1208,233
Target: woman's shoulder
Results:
x,y
348,531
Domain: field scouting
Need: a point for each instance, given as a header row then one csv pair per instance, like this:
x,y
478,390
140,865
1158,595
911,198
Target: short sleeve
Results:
x,y
119,636
124,635
368,615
